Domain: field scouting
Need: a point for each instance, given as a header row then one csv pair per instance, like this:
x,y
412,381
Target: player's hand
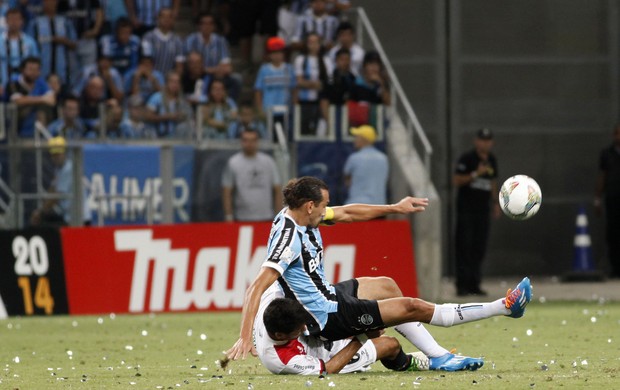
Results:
x,y
411,205
241,349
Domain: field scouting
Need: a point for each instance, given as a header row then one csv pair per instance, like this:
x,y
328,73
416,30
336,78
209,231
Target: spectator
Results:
x,y
317,21
215,54
143,13
607,192
218,113
195,80
112,79
57,41
61,91
69,126
168,109
114,128
164,45
15,46
144,80
342,80
345,35
91,98
87,19
366,170
29,9
4,8
29,92
123,48
337,7
371,86
475,177
57,212
247,121
133,125
113,10
244,17
275,81
312,70
251,186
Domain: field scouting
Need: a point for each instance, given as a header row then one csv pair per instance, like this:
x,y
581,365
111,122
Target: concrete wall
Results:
x,y
543,74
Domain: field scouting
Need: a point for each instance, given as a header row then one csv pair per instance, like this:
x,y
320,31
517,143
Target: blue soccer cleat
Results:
x,y
517,299
452,362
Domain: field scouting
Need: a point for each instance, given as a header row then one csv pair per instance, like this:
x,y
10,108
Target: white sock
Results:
x,y
417,335
455,314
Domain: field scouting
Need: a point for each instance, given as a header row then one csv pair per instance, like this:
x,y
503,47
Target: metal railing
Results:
x,y
400,102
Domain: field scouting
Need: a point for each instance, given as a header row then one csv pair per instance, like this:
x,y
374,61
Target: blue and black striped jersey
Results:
x,y
296,252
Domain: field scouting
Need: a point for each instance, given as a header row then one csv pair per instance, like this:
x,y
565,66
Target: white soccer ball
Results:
x,y
520,197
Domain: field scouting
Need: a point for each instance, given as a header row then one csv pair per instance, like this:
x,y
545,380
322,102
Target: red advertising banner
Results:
x,y
193,267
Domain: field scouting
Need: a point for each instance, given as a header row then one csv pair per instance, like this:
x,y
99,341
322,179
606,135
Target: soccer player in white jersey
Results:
x,y
356,306
283,349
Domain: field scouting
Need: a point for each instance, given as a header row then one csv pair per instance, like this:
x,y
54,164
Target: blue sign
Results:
x,y
124,183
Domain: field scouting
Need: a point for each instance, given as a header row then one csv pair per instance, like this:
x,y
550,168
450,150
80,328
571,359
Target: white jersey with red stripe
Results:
x,y
305,355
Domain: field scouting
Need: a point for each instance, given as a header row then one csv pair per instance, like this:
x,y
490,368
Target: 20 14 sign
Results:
x,y
32,277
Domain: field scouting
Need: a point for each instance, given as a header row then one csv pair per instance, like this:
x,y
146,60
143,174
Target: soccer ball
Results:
x,y
520,197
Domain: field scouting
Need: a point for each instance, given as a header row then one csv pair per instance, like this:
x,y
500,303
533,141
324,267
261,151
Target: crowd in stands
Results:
x,y
64,63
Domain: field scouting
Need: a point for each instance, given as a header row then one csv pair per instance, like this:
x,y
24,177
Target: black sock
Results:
x,y
401,362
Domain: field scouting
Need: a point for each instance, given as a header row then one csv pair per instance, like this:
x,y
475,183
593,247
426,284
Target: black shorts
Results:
x,y
354,316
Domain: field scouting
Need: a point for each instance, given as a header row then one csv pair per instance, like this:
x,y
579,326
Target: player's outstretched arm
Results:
x,y
364,212
264,279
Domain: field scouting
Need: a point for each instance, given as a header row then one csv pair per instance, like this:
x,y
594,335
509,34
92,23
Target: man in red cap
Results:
x,y
274,89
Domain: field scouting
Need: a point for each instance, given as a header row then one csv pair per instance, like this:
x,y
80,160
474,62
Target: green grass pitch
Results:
x,y
555,345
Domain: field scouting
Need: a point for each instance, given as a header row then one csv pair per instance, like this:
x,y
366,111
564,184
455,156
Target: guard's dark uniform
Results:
x,y
473,221
610,164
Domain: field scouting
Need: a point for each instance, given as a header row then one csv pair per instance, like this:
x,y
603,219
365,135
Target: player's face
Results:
x,y
279,336
318,209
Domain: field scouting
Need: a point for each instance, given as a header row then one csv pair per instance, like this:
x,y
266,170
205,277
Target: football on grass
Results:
x,y
520,197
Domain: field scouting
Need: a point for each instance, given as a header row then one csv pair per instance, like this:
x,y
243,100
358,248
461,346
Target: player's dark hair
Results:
x,y
284,315
299,191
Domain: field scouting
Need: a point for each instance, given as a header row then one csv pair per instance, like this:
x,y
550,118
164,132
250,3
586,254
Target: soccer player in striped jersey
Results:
x,y
295,262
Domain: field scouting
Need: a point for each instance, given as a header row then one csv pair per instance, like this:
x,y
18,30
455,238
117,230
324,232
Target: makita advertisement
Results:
x,y
197,267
